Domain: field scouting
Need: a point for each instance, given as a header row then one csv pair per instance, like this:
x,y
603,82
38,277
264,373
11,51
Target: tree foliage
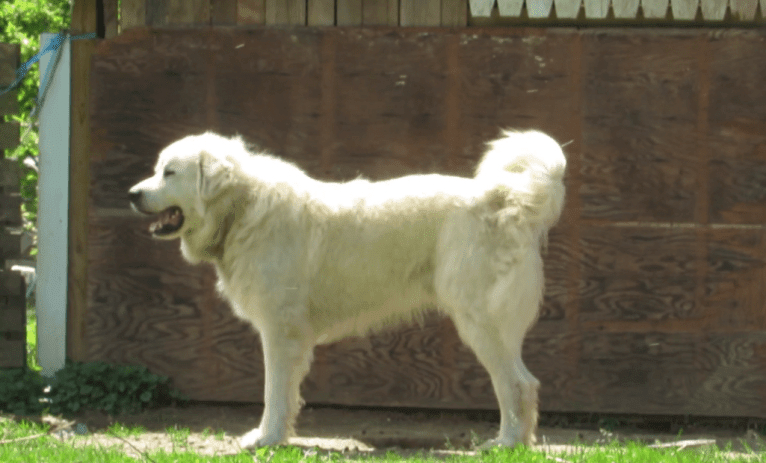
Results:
x,y
22,22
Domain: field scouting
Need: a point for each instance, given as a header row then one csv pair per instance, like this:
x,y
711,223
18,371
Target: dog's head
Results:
x,y
188,175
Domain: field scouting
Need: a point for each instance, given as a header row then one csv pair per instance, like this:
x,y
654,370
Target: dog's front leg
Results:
x,y
287,357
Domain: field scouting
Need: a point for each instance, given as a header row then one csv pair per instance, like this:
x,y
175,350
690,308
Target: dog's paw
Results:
x,y
499,442
255,438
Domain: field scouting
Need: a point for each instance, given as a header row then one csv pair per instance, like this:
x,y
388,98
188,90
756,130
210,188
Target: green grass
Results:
x,y
120,430
26,442
32,339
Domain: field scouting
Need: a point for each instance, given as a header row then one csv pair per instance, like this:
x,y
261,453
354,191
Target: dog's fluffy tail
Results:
x,y
525,170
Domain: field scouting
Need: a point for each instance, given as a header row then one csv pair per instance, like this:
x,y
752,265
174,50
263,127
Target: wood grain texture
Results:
x,y
737,140
157,12
9,103
12,319
188,12
380,12
454,13
9,62
419,13
348,12
132,14
84,20
286,12
251,12
223,12
10,211
10,173
10,134
647,309
111,24
639,159
734,288
321,12
10,247
636,273
691,373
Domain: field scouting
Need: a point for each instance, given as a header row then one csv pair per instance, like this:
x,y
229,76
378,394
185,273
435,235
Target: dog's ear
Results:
x,y
212,175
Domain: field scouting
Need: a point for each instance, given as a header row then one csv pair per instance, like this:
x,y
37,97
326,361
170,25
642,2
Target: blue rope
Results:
x,y
53,45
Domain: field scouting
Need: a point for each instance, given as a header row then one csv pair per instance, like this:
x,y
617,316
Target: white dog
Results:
x,y
308,262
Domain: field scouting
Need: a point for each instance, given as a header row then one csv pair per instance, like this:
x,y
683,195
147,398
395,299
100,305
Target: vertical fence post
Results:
x,y
53,210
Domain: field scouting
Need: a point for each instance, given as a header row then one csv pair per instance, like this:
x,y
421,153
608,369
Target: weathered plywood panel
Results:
x,y
385,87
734,287
251,11
9,61
648,308
513,81
111,25
419,12
380,12
132,14
223,12
321,12
738,130
286,12
454,13
348,12
635,273
639,154
188,12
12,320
10,133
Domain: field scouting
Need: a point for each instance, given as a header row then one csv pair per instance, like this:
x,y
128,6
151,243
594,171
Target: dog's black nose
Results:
x,y
134,196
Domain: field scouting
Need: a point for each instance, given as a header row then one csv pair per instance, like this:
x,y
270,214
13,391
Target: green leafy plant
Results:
x,y
21,391
114,389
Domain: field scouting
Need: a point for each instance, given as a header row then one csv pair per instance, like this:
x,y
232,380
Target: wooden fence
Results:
x,y
405,13
656,274
12,300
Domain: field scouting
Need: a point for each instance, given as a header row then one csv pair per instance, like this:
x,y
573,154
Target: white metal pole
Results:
x,y
53,210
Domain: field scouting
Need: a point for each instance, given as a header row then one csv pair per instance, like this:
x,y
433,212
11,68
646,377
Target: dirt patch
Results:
x,y
213,429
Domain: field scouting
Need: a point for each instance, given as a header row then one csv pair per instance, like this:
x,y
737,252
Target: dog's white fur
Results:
x,y
310,262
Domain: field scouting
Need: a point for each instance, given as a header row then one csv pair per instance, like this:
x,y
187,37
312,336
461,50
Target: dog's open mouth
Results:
x,y
170,221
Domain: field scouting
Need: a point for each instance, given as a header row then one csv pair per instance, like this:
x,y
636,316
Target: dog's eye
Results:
x,y
168,173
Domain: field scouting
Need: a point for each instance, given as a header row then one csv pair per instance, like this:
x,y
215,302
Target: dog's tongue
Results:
x,y
169,220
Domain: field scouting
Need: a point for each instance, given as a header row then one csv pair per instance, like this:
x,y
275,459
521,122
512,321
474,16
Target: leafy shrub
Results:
x,y
114,389
21,391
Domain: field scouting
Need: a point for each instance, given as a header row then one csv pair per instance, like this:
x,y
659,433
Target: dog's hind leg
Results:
x,y
515,387
287,355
